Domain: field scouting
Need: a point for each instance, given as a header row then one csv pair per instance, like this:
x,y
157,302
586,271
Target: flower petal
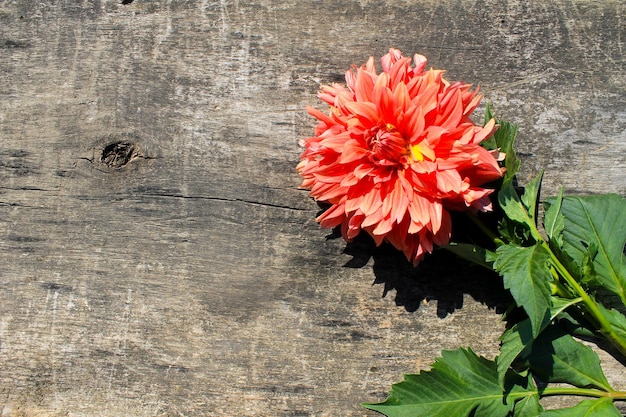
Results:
x,y
332,217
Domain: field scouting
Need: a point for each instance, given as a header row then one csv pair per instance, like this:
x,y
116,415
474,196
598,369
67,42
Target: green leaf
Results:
x,y
489,143
574,362
528,407
598,222
588,269
515,341
602,407
557,357
516,210
531,195
616,319
576,325
490,256
518,226
559,305
459,384
511,203
526,274
505,140
553,221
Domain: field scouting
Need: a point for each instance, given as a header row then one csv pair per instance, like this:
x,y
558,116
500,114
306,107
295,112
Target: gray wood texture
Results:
x,y
157,256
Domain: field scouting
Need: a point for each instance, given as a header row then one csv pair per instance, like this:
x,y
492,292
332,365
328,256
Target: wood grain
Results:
x,y
191,279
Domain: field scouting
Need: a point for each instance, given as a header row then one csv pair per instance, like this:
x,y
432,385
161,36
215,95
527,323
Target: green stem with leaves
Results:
x,y
596,316
598,319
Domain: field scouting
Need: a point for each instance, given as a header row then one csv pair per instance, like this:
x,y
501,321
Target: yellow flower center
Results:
x,y
422,151
416,154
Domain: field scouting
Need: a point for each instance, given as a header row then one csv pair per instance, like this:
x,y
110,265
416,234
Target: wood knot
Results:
x,y
118,154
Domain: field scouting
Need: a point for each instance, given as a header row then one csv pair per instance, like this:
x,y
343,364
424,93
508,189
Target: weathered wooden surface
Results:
x,y
193,279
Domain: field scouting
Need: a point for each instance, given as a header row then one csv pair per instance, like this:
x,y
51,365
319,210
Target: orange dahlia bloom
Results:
x,y
396,152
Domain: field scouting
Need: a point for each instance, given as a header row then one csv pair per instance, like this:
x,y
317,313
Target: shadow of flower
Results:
x,y
441,276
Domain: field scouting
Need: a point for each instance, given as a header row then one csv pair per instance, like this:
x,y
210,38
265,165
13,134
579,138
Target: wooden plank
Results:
x,y
193,280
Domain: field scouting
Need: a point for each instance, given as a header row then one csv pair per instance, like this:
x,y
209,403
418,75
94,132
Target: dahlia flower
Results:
x,y
396,152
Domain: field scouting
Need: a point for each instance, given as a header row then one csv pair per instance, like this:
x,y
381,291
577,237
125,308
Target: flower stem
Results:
x,y
483,228
584,392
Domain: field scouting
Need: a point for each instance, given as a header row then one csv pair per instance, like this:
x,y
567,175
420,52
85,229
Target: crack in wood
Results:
x,y
25,188
257,203
7,204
